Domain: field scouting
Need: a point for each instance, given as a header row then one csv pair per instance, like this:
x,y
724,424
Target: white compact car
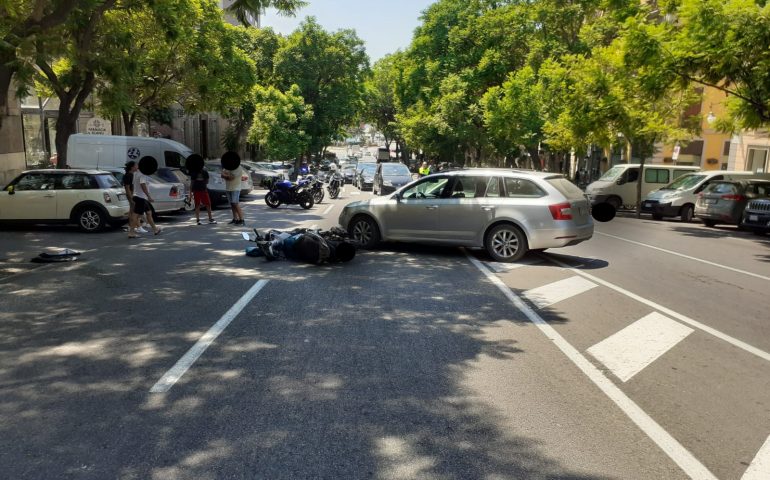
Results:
x,y
168,197
91,199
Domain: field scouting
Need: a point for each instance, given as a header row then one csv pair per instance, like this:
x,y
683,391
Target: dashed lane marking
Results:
x,y
630,350
688,257
328,209
668,444
501,267
180,368
556,292
667,311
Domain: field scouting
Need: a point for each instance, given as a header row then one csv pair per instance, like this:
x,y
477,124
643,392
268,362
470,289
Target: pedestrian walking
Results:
x,y
233,186
199,182
134,222
142,200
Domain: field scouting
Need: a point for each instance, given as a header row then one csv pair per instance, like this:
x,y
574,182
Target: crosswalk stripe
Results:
x,y
555,292
760,466
630,350
501,267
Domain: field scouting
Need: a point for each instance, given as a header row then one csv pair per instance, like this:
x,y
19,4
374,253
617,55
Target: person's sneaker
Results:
x,y
198,222
142,230
212,221
233,222
158,230
240,222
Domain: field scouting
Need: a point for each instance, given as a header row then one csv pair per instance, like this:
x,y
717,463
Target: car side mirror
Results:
x,y
11,190
620,181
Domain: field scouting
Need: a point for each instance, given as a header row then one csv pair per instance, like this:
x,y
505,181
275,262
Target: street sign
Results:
x,y
675,155
98,126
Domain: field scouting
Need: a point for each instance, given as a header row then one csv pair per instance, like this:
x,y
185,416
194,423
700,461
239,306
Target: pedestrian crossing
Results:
x,y
626,341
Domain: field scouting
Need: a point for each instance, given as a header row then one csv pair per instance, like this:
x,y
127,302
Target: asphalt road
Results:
x,y
641,354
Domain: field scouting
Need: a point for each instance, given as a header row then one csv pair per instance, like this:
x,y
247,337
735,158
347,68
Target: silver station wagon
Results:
x,y
507,212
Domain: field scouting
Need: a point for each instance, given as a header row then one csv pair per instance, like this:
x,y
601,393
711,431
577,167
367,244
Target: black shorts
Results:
x,y
141,206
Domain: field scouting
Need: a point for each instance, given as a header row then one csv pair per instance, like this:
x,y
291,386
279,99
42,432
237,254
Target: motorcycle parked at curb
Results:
x,y
315,186
288,193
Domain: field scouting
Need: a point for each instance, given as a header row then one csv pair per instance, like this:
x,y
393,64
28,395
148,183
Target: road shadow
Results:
x,y
348,371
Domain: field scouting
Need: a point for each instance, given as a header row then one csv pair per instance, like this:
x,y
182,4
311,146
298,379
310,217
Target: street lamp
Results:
x,y
711,118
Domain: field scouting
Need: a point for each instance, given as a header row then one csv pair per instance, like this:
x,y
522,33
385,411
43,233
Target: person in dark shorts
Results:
x,y
142,200
199,185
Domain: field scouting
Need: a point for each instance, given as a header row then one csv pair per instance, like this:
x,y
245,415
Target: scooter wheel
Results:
x,y
272,201
306,202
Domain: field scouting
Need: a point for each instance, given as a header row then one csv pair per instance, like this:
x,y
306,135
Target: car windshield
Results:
x,y
685,182
369,168
722,188
394,170
107,180
612,174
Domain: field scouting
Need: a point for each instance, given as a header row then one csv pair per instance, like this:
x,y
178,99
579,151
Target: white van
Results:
x,y
113,151
618,184
678,198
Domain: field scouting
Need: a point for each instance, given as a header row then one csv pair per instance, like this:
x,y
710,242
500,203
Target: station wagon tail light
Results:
x,y
737,198
561,211
174,192
107,198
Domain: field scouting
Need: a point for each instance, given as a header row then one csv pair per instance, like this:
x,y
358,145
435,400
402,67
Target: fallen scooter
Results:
x,y
303,245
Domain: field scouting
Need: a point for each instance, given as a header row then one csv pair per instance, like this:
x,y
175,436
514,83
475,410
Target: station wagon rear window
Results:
x,y
566,188
107,181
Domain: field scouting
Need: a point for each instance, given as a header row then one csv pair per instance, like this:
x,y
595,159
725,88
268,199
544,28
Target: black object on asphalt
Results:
x,y
194,163
148,165
603,212
230,160
64,255
303,245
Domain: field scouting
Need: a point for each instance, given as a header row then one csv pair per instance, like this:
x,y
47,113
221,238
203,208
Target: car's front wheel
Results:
x,y
363,229
687,213
506,243
90,219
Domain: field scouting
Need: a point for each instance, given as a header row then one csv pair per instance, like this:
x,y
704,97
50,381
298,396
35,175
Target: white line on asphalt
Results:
x,y
696,259
555,292
630,350
678,316
668,444
355,193
760,466
328,209
502,267
175,373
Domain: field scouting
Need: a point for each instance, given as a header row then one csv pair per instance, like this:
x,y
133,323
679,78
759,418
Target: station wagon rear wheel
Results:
x,y
506,243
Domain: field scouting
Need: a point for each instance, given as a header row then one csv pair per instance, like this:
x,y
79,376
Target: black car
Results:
x,y
365,175
756,217
389,177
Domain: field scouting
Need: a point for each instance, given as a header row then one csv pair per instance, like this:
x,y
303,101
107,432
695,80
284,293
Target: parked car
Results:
x,y
261,177
506,212
725,202
365,175
618,184
677,199
91,199
756,217
167,197
389,177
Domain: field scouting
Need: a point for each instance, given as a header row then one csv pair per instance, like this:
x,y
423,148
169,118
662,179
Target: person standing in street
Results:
x,y
424,170
233,187
142,201
199,182
134,222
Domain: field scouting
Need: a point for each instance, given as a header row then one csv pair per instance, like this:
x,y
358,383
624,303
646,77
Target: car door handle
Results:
x,y
49,195
487,208
432,207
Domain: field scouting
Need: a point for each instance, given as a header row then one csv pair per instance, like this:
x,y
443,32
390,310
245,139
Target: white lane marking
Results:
x,y
688,257
175,373
555,292
355,193
760,466
501,267
328,209
668,444
678,316
630,350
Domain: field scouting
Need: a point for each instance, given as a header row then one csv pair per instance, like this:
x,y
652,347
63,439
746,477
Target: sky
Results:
x,y
385,25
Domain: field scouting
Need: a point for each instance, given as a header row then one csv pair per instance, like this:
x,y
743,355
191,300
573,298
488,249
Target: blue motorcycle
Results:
x,y
286,192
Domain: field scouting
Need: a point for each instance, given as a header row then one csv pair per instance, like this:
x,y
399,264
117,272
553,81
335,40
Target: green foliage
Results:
x,y
242,9
280,123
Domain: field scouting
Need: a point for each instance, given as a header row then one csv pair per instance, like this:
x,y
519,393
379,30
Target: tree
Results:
x,y
280,122
329,69
380,101
243,9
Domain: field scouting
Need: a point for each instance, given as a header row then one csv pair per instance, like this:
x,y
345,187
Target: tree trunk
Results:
x,y
129,123
6,74
70,104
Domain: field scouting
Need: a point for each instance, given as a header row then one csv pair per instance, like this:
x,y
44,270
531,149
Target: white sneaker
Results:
x,y
142,230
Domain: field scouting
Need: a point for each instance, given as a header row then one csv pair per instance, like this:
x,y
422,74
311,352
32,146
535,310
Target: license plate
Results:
x,y
647,205
710,201
753,218
583,210
121,196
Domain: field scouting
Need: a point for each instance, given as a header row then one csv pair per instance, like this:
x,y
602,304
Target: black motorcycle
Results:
x,y
335,184
289,193
315,186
